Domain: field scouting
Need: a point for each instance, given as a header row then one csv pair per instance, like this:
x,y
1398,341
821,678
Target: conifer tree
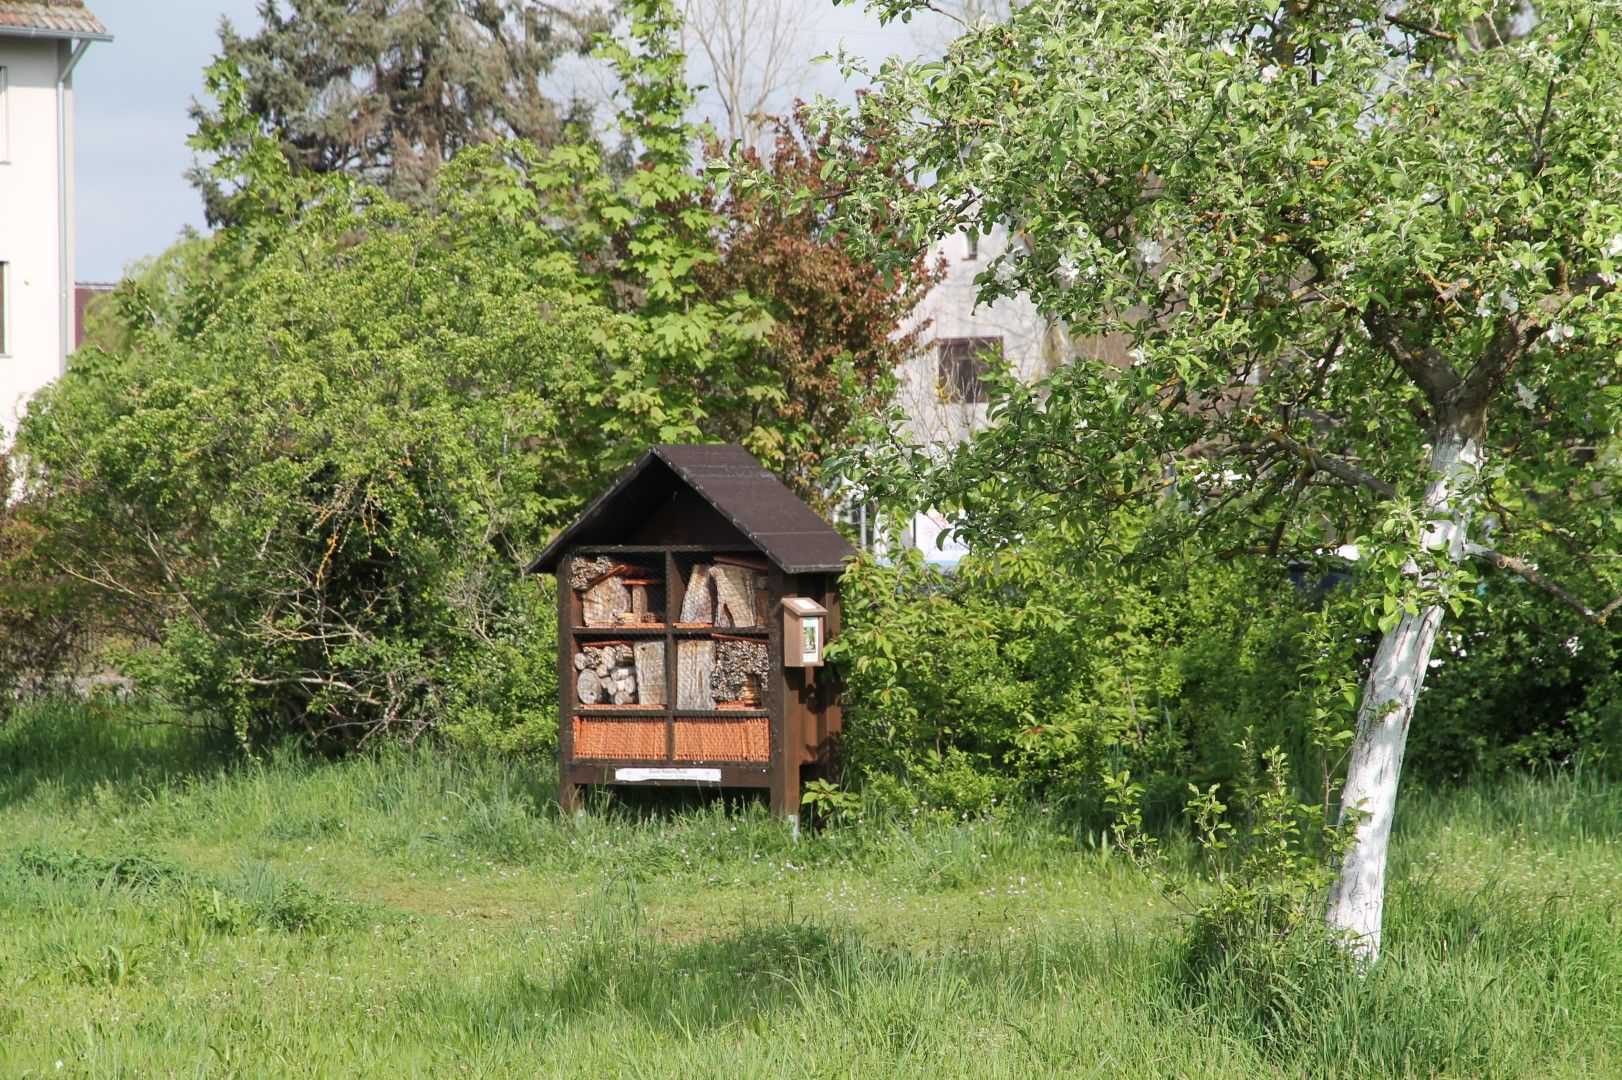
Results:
x,y
388,90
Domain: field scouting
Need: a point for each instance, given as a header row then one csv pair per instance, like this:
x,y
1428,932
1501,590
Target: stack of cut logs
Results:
x,y
728,593
614,594
620,673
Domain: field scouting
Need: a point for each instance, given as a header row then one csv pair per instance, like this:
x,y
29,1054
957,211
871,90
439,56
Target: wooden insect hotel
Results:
x,y
695,596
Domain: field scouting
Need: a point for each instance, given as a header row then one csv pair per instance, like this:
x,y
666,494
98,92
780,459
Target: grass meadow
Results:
x,y
168,911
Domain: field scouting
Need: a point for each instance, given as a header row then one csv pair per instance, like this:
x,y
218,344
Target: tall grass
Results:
x,y
166,909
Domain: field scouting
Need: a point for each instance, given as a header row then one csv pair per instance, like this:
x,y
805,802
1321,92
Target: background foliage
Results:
x,y
293,479
1030,674
390,90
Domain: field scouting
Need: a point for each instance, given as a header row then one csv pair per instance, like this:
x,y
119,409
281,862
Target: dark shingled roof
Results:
x,y
50,18
727,477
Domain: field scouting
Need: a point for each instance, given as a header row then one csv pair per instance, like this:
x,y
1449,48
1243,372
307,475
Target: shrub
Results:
x,y
1026,674
43,626
1517,684
307,504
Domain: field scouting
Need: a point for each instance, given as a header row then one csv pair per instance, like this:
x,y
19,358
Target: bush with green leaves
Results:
x,y
1516,684
313,494
1026,673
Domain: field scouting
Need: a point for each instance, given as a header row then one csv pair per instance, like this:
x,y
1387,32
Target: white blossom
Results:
x,y
1528,397
1511,303
1151,250
1615,247
1269,73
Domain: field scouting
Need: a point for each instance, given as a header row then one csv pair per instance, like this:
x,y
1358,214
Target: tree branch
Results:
x,y
1355,475
1426,367
1486,376
1419,28
1531,576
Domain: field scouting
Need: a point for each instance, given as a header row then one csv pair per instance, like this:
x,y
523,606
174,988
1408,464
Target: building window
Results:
x,y
972,245
5,127
964,363
5,324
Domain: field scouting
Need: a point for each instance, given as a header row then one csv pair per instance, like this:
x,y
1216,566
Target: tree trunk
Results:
x,y
1357,899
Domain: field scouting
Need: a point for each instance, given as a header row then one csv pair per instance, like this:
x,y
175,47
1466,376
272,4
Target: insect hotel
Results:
x,y
695,597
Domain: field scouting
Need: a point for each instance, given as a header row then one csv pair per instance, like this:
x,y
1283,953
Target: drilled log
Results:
x,y
698,606
695,664
624,692
602,604
650,672
588,688
735,596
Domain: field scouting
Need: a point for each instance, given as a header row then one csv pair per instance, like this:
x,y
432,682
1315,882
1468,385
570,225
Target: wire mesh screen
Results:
x,y
670,655
745,739
624,674
618,738
727,592
619,590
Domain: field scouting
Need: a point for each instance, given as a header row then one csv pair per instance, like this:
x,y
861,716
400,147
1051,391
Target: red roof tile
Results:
x,y
50,18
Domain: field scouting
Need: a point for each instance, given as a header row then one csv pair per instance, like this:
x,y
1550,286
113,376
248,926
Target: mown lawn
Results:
x,y
165,914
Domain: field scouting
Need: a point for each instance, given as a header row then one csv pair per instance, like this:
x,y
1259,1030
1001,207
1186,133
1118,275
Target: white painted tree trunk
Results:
x,y
1357,899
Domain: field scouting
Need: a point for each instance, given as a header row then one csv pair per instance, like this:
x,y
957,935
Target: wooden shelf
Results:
x,y
629,630
725,631
646,711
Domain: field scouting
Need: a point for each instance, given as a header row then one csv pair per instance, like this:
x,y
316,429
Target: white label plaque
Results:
x,y
712,775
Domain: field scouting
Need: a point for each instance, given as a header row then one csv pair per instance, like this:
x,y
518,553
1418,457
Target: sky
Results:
x,y
131,95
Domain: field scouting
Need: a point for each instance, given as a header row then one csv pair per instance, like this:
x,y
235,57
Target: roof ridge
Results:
x,y
739,488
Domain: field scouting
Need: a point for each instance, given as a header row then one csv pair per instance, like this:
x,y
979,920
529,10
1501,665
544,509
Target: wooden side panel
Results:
x,y
830,709
785,772
568,791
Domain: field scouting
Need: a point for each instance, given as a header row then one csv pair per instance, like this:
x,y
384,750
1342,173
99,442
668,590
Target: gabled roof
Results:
x,y
727,477
50,19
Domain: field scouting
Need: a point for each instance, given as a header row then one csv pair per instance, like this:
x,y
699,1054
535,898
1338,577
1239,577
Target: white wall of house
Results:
x,y
31,355
939,413
936,413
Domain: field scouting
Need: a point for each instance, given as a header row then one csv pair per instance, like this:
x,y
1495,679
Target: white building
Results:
x,y
941,389
41,41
